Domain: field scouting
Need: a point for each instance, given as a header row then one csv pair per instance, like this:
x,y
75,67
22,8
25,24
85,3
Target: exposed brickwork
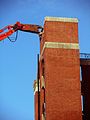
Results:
x,y
61,32
61,72
42,90
62,87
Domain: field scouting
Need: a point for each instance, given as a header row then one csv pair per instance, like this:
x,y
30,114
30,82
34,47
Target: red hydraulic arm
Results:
x,y
18,26
6,34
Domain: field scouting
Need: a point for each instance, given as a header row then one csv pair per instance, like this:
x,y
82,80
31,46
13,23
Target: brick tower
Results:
x,y
59,71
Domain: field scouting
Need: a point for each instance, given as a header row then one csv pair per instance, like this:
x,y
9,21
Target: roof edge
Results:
x,y
61,19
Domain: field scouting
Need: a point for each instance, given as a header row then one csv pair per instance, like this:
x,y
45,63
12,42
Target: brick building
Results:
x,y
57,90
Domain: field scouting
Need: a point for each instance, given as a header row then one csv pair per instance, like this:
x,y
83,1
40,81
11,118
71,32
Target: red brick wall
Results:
x,y
62,72
42,89
61,31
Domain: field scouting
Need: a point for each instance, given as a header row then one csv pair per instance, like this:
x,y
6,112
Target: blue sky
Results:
x,y
18,61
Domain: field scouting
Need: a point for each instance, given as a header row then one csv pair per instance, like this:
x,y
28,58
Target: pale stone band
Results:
x,y
61,19
59,45
35,87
